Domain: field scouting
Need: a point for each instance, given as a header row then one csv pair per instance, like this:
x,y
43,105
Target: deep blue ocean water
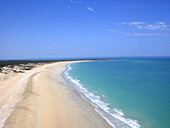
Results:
x,y
137,87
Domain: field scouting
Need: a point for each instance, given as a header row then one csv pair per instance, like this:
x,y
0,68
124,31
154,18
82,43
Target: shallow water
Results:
x,y
134,88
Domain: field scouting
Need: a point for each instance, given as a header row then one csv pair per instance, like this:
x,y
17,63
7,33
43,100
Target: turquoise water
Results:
x,y
137,87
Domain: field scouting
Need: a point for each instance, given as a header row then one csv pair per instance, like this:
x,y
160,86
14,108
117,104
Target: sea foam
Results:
x,y
114,117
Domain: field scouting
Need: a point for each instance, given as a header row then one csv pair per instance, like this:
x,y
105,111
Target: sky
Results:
x,y
84,28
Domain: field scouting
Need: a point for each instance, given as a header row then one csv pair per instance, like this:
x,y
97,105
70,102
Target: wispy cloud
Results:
x,y
110,30
75,1
137,34
155,26
145,34
134,23
90,9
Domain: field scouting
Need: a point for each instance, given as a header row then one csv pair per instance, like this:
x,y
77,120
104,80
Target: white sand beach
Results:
x,y
40,98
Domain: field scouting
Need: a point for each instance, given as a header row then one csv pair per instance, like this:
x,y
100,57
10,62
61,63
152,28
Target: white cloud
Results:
x,y
159,26
156,26
145,34
75,1
136,23
110,30
90,9
160,23
133,23
138,34
139,26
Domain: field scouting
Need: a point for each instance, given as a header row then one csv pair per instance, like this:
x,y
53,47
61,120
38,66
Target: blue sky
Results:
x,y
84,28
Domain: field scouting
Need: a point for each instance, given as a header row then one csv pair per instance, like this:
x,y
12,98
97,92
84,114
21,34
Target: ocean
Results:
x,y
130,92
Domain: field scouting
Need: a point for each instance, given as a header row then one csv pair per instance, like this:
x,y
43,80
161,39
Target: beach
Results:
x,y
41,98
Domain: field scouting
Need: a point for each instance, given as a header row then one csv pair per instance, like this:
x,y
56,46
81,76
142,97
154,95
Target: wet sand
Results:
x,y
40,98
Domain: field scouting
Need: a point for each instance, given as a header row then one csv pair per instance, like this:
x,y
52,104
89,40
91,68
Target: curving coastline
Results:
x,y
43,99
114,118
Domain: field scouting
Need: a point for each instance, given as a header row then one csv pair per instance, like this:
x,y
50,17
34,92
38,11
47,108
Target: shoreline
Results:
x,y
115,119
45,102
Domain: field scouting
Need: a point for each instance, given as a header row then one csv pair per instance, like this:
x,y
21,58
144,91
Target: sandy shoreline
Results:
x,y
43,100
